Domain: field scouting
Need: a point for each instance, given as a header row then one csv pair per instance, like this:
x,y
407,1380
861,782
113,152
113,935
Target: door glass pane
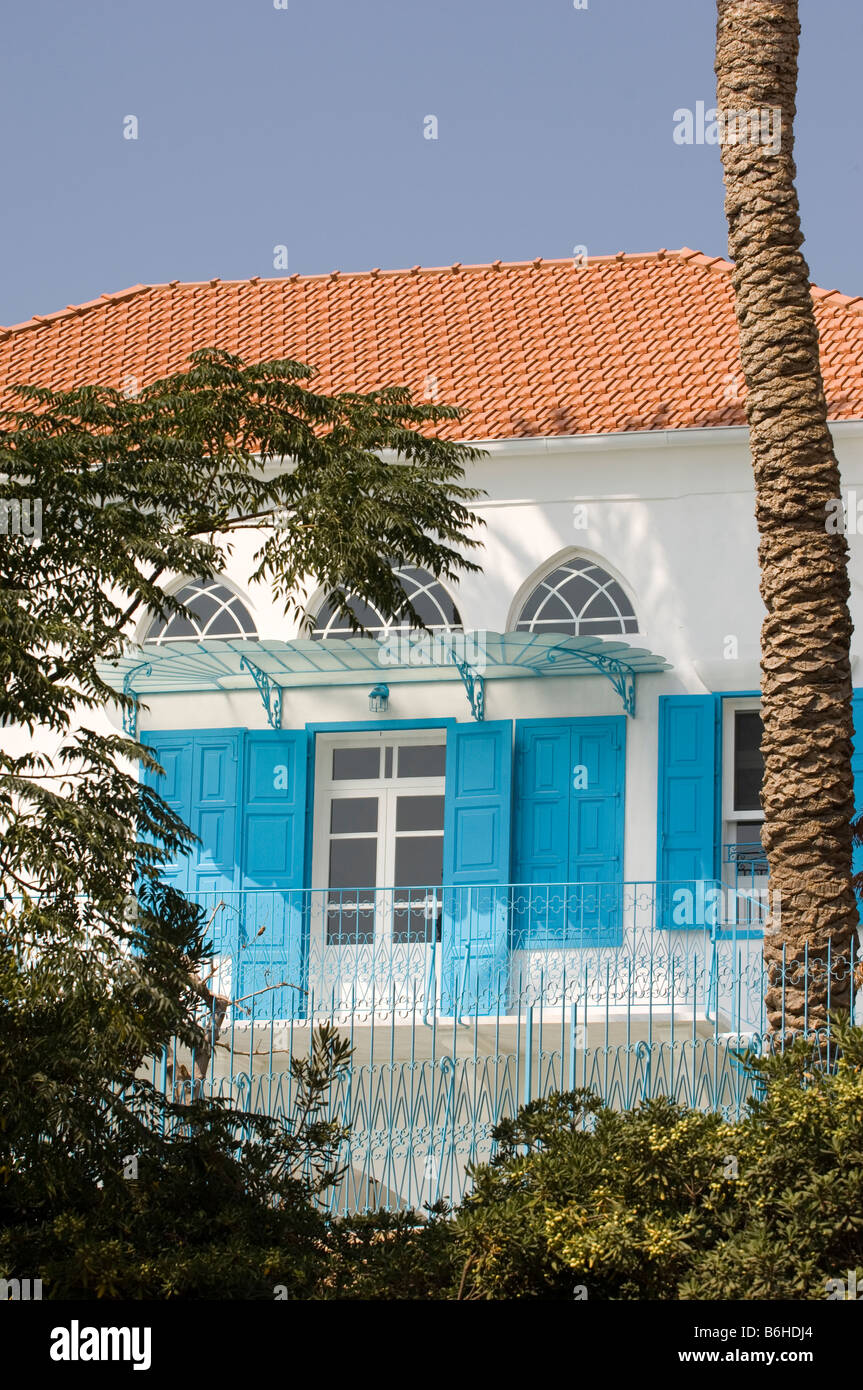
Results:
x,y
422,760
419,860
417,914
351,913
353,863
353,814
748,761
419,813
749,851
351,764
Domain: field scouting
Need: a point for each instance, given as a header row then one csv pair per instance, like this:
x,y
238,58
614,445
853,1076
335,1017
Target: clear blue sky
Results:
x,y
303,127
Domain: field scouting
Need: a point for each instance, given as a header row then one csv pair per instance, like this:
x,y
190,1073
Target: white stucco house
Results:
x,y
569,770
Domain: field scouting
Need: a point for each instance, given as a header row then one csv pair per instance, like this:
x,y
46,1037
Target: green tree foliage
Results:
x,y
100,966
135,490
380,1255
797,1218
157,1198
663,1202
583,1196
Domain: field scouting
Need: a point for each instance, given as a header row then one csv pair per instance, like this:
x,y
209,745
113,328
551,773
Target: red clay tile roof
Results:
x,y
627,342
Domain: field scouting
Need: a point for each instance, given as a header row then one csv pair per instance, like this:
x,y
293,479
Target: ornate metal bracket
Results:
x,y
130,712
270,693
474,685
622,677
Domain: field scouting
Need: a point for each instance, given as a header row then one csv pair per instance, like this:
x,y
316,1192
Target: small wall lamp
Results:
x,y
379,698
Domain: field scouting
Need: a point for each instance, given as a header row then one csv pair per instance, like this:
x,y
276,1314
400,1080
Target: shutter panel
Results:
x,y
213,865
596,830
200,784
474,957
541,812
540,830
174,752
688,769
569,829
271,942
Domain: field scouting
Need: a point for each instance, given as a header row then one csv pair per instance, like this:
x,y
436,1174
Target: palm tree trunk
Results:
x,y
805,640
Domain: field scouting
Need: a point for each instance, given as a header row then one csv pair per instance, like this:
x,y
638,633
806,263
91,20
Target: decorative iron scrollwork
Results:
x,y
474,685
270,693
622,677
130,712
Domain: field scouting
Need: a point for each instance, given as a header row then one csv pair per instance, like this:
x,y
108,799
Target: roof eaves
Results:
x,y
73,310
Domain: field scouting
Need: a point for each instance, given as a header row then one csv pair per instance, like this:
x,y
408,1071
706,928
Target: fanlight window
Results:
x,y
579,600
215,611
427,594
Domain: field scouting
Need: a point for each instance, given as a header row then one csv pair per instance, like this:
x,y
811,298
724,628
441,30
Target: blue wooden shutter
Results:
x,y
174,753
568,828
594,913
540,830
271,944
213,864
200,784
687,828
541,811
474,957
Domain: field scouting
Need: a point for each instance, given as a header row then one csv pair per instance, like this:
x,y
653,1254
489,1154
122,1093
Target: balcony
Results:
x,y
462,1003
476,951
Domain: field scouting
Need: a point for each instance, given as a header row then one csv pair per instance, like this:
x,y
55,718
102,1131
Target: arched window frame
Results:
x,y
425,585
625,624
229,601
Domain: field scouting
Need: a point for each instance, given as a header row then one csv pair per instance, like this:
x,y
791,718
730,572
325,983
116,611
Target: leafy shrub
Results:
x,y
583,1196
663,1202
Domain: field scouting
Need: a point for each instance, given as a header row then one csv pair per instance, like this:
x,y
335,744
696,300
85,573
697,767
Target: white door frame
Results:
x,y
358,959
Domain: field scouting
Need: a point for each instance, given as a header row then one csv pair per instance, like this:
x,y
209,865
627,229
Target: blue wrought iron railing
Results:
x,y
745,864
454,951
462,1004
660,1013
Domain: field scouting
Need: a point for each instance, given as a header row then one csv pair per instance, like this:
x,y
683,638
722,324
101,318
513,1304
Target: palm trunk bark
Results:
x,y
805,640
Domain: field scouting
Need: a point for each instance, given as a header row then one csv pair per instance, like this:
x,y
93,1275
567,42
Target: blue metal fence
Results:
x,y
441,1051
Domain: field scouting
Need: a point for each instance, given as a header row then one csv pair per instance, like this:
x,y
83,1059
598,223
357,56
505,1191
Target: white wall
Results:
x,y
668,513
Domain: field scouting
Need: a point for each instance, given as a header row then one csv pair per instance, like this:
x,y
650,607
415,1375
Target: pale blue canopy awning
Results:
x,y
273,665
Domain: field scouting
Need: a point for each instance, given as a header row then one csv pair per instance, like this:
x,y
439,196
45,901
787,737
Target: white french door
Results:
x,y
377,861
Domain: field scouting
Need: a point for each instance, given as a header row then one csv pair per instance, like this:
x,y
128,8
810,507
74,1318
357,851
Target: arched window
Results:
x,y
215,611
427,594
579,599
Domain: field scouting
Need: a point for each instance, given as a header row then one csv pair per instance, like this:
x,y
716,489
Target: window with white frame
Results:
x,y
428,596
578,599
378,836
742,776
214,610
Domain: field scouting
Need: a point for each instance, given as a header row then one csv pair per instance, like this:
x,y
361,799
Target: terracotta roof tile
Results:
x,y
624,342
